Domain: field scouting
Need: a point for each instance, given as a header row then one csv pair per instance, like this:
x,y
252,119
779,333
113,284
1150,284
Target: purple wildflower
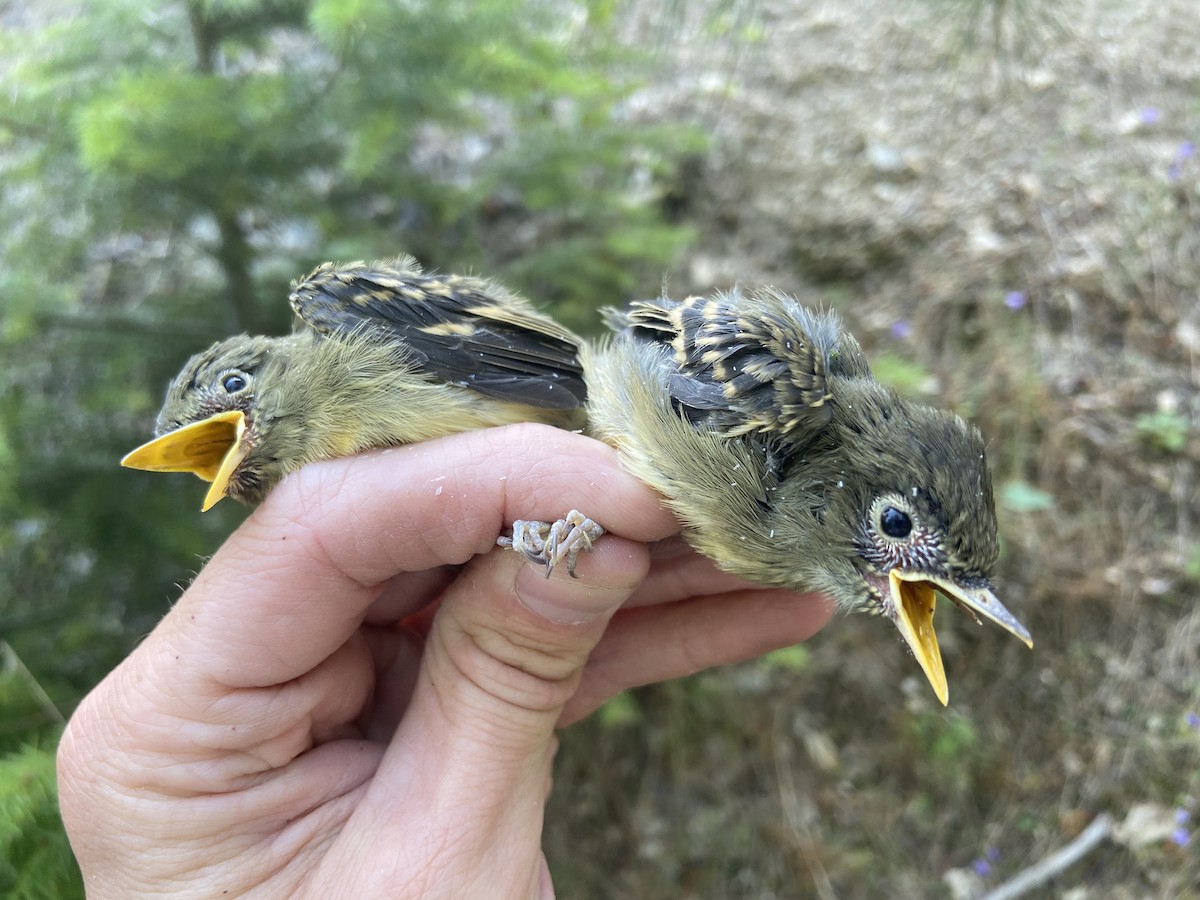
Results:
x,y
1193,720
901,329
993,854
1182,816
1185,152
1015,300
982,867
1180,836
1150,115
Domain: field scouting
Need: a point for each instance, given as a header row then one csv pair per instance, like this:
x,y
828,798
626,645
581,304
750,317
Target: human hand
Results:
x,y
358,694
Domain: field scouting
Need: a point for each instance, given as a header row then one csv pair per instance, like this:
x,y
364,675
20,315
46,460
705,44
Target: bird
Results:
x,y
759,422
381,354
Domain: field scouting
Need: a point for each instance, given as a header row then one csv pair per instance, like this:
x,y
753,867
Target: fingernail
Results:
x,y
563,600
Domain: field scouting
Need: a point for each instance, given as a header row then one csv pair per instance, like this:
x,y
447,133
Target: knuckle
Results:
x,y
519,670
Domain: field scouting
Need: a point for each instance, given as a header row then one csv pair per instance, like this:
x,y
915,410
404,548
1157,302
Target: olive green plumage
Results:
x,y
382,354
760,423
756,419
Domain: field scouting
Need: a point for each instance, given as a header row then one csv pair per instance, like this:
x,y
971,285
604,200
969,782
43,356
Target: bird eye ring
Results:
x,y
234,382
895,523
891,518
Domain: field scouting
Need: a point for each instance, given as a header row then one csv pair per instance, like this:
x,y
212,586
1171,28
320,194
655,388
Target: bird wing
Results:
x,y
463,330
744,364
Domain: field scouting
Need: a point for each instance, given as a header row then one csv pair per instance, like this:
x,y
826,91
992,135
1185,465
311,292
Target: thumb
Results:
x,y
508,645
505,653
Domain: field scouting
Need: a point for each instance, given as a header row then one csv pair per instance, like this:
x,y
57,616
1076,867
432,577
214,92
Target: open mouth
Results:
x,y
914,596
210,449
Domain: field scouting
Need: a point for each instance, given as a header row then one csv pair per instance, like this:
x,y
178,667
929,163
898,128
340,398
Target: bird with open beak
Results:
x,y
761,425
382,354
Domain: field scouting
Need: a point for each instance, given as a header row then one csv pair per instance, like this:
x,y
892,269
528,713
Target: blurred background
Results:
x,y
1001,196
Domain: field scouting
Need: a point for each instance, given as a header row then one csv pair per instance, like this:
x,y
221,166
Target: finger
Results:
x,y
399,596
297,578
508,645
396,652
503,656
678,572
654,643
189,738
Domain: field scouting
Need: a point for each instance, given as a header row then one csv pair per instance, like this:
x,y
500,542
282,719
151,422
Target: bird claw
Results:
x,y
549,543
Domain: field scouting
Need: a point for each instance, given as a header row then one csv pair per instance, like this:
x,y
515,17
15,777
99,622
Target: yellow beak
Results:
x,y
914,598
210,449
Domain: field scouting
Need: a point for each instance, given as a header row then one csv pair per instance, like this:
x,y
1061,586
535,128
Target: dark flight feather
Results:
x,y
764,374
463,330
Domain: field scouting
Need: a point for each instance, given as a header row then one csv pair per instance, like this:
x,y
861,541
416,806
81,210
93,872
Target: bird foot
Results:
x,y
549,543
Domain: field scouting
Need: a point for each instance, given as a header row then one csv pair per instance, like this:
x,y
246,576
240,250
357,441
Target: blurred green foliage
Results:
x,y
1023,497
1191,566
1164,430
37,861
906,376
794,660
165,171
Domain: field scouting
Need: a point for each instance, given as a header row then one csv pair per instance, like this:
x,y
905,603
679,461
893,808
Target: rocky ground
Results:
x,y
1003,199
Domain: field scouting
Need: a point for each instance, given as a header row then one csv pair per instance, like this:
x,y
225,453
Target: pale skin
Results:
x,y
282,734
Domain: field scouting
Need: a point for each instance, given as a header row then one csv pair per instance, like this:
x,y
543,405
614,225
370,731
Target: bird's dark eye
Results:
x,y
233,383
895,524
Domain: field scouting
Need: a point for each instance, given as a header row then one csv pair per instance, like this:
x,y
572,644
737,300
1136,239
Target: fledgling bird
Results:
x,y
760,423
381,354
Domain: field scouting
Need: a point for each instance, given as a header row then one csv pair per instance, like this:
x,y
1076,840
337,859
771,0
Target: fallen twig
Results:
x,y
1087,840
